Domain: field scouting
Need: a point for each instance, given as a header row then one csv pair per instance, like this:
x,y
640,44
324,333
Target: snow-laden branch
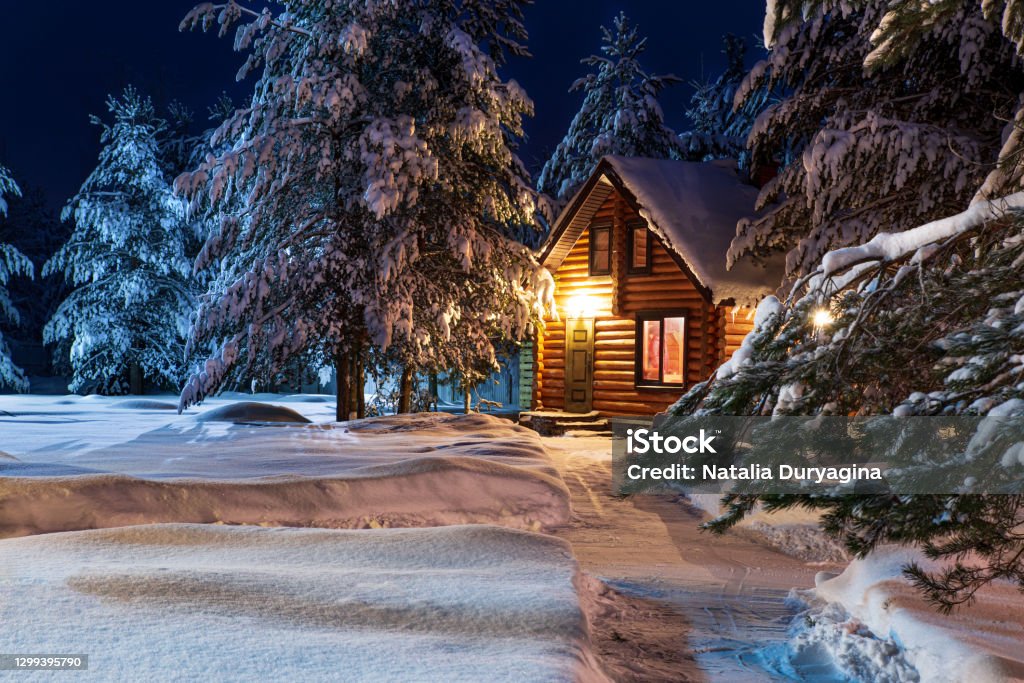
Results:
x,y
205,14
896,246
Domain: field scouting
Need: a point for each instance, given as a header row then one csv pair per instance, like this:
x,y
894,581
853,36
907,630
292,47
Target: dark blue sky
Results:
x,y
59,60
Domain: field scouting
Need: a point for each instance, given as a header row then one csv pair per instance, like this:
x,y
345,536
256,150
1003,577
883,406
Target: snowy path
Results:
x,y
727,593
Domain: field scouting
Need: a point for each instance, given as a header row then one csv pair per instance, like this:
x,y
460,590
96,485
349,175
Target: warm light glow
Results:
x,y
822,318
581,306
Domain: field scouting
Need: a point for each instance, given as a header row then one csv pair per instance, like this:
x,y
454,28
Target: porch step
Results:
x,y
586,433
592,416
595,426
558,423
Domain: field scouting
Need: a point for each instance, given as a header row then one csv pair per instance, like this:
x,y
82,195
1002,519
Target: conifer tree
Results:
x,y
377,188
35,230
871,145
718,129
928,321
12,264
620,114
126,317
904,29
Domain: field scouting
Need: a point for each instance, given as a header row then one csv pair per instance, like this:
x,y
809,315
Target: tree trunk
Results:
x,y
467,401
432,384
342,373
360,384
405,391
134,379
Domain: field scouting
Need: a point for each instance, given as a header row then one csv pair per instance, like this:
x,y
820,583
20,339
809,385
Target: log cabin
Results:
x,y
646,306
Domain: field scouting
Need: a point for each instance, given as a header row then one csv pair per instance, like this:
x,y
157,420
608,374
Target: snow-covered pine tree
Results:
x,y
35,229
377,189
863,150
182,147
620,114
925,322
929,321
12,264
128,314
901,32
718,130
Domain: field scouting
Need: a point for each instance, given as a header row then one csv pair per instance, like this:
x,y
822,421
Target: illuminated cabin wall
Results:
x,y
712,333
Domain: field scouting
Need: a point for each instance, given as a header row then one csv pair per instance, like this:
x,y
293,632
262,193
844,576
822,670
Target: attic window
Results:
x,y
600,249
639,247
661,349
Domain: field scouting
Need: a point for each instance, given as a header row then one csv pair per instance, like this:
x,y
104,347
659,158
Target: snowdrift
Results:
x,y
875,626
141,404
251,411
232,603
88,465
426,491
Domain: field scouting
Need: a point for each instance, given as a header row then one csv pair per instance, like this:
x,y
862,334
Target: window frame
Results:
x,y
596,227
639,382
631,227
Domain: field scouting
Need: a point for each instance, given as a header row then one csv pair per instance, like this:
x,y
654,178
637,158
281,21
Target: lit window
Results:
x,y
652,351
600,250
639,248
661,342
672,351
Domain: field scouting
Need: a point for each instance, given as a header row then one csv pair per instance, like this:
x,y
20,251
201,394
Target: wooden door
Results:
x,y
579,365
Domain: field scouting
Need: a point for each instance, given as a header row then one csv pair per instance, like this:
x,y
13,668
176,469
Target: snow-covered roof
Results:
x,y
692,206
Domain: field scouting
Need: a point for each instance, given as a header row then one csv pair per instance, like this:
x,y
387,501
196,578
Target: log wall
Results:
x,y
712,333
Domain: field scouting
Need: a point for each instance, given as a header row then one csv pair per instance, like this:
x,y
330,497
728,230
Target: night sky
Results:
x,y
61,59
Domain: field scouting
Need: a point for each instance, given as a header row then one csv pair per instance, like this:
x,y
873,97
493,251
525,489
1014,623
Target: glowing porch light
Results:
x,y
581,306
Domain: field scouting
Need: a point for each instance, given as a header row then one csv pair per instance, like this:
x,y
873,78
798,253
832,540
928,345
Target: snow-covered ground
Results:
x,y
793,532
732,596
871,622
722,598
876,625
74,462
425,603
203,602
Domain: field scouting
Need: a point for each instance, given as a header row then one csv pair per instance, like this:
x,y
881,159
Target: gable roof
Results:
x,y
693,207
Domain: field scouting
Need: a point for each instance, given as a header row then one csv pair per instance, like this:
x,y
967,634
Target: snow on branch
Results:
x,y
896,246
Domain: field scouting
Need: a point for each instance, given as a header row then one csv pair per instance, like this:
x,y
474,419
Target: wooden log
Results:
x,y
606,394
607,335
571,282
673,278
615,354
603,371
628,408
608,385
669,300
642,285
615,324
624,368
635,304
625,378
614,343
